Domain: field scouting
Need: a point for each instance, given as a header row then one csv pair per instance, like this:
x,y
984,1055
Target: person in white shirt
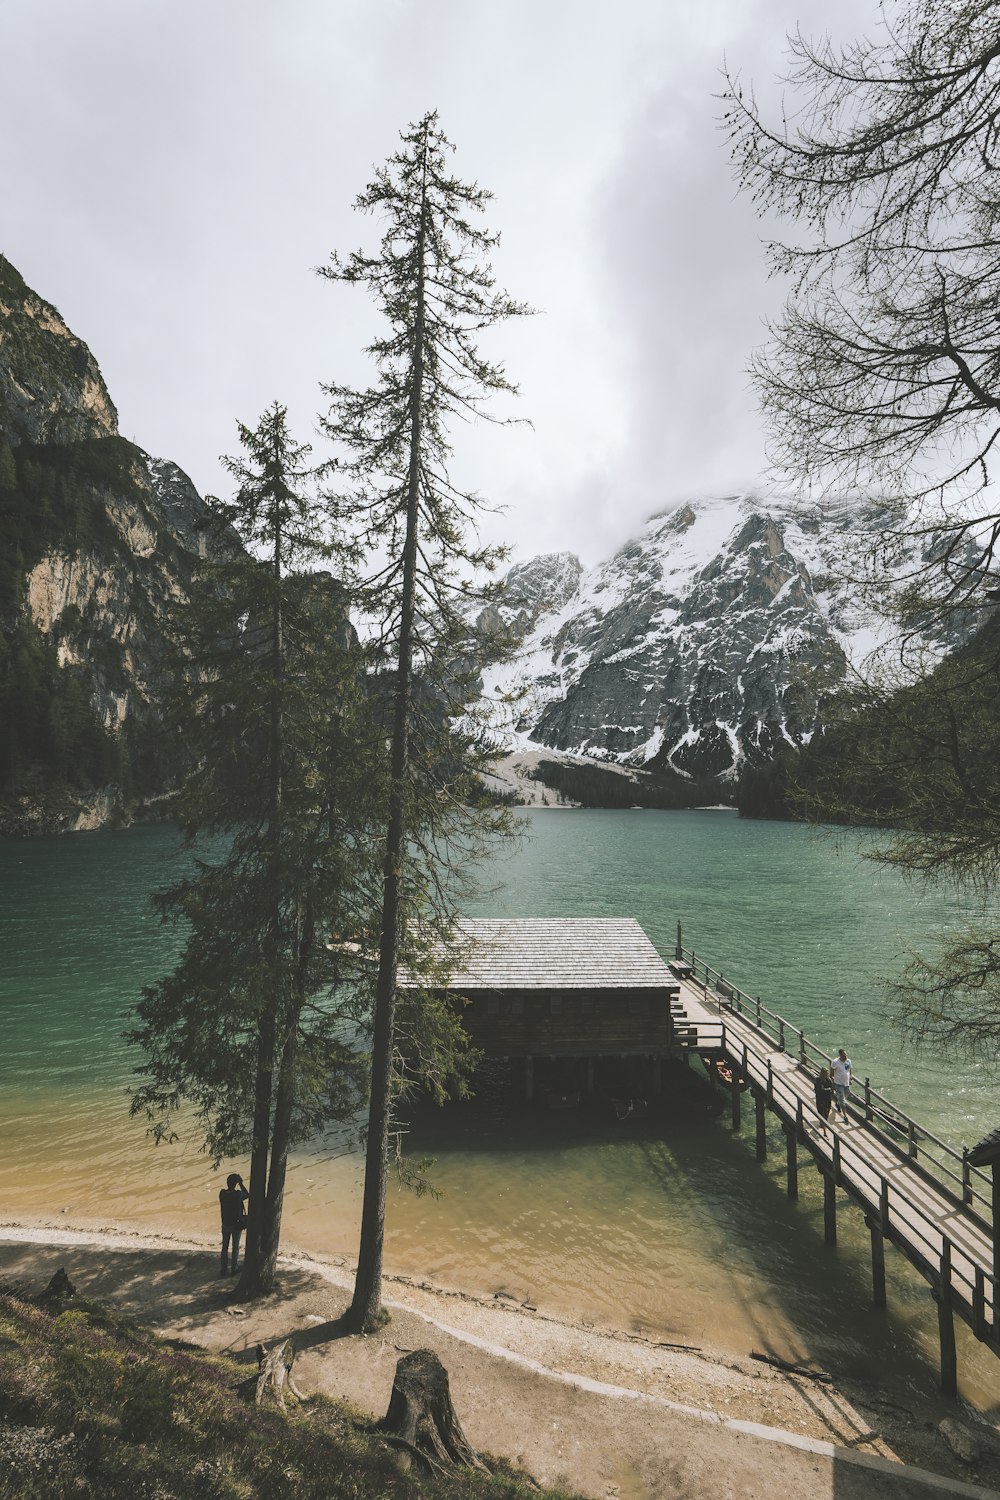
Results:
x,y
840,1071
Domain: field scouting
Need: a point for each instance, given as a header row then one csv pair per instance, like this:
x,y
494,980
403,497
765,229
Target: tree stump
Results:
x,y
59,1291
274,1373
421,1419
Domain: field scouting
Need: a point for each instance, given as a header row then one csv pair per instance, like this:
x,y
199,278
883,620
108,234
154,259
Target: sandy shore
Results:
x,y
606,1413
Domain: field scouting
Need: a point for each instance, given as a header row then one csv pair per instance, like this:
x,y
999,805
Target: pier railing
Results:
x,y
936,1159
932,1240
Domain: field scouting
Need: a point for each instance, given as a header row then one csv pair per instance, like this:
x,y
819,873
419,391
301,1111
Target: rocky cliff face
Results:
x,y
51,390
531,591
100,542
720,632
105,604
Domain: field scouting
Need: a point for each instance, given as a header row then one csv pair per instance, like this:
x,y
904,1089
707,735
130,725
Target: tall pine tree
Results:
x,y
254,1028
432,284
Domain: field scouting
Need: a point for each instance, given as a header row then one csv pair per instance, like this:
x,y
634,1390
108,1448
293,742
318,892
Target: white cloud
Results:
x,y
173,172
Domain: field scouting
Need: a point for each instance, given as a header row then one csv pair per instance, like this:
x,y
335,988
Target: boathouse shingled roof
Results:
x,y
554,953
987,1151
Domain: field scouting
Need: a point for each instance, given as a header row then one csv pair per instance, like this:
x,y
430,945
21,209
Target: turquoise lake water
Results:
x,y
668,1227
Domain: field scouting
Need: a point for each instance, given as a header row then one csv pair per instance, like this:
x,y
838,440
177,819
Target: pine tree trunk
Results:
x,y
274,1201
366,1307
281,1129
252,1281
248,1285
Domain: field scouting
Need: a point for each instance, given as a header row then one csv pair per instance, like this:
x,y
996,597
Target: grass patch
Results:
x,y
93,1405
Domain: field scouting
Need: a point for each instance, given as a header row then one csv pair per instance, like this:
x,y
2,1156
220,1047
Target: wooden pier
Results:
x,y
589,993
914,1190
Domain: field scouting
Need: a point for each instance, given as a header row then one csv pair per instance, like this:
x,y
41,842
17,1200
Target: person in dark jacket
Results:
x,y
232,1203
823,1089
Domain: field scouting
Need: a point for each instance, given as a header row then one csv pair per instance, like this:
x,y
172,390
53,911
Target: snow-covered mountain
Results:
x,y
721,631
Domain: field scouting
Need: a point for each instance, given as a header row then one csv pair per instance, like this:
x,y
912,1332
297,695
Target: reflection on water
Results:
x,y
665,1226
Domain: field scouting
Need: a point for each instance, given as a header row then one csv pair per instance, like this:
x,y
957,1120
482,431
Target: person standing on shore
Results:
x,y
840,1070
233,1205
823,1089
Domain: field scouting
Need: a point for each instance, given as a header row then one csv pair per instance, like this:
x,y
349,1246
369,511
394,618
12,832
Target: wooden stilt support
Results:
x,y
878,1261
529,1078
760,1117
590,1078
979,1325
791,1162
658,1075
946,1326
735,1096
829,1209
996,1240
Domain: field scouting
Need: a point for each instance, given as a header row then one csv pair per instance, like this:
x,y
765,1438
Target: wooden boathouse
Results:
x,y
584,991
566,990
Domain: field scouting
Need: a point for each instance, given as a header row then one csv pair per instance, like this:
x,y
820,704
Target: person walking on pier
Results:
x,y
823,1089
841,1072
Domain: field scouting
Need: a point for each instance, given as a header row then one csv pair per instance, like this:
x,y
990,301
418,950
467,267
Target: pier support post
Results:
x,y
658,1076
979,1325
946,1326
878,1261
829,1209
529,1078
590,1078
791,1162
734,1093
761,1124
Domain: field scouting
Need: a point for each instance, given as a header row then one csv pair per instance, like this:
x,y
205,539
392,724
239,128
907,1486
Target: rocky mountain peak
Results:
x,y
531,589
717,633
51,390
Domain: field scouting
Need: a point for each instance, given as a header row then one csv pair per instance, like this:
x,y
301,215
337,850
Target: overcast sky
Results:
x,y
174,170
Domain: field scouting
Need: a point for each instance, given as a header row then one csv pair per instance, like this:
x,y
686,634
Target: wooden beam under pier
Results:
x,y
878,1260
829,1208
946,1326
791,1161
760,1112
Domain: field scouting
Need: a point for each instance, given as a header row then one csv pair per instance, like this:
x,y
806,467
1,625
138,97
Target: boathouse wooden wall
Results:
x,y
569,1023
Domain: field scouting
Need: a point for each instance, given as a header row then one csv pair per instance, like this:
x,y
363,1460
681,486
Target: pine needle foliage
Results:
x,y
431,283
883,372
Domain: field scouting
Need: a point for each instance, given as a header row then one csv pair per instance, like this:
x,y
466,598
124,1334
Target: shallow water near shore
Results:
x,y
666,1226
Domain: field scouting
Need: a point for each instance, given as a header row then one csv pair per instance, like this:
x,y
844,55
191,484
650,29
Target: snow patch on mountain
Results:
x,y
718,633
